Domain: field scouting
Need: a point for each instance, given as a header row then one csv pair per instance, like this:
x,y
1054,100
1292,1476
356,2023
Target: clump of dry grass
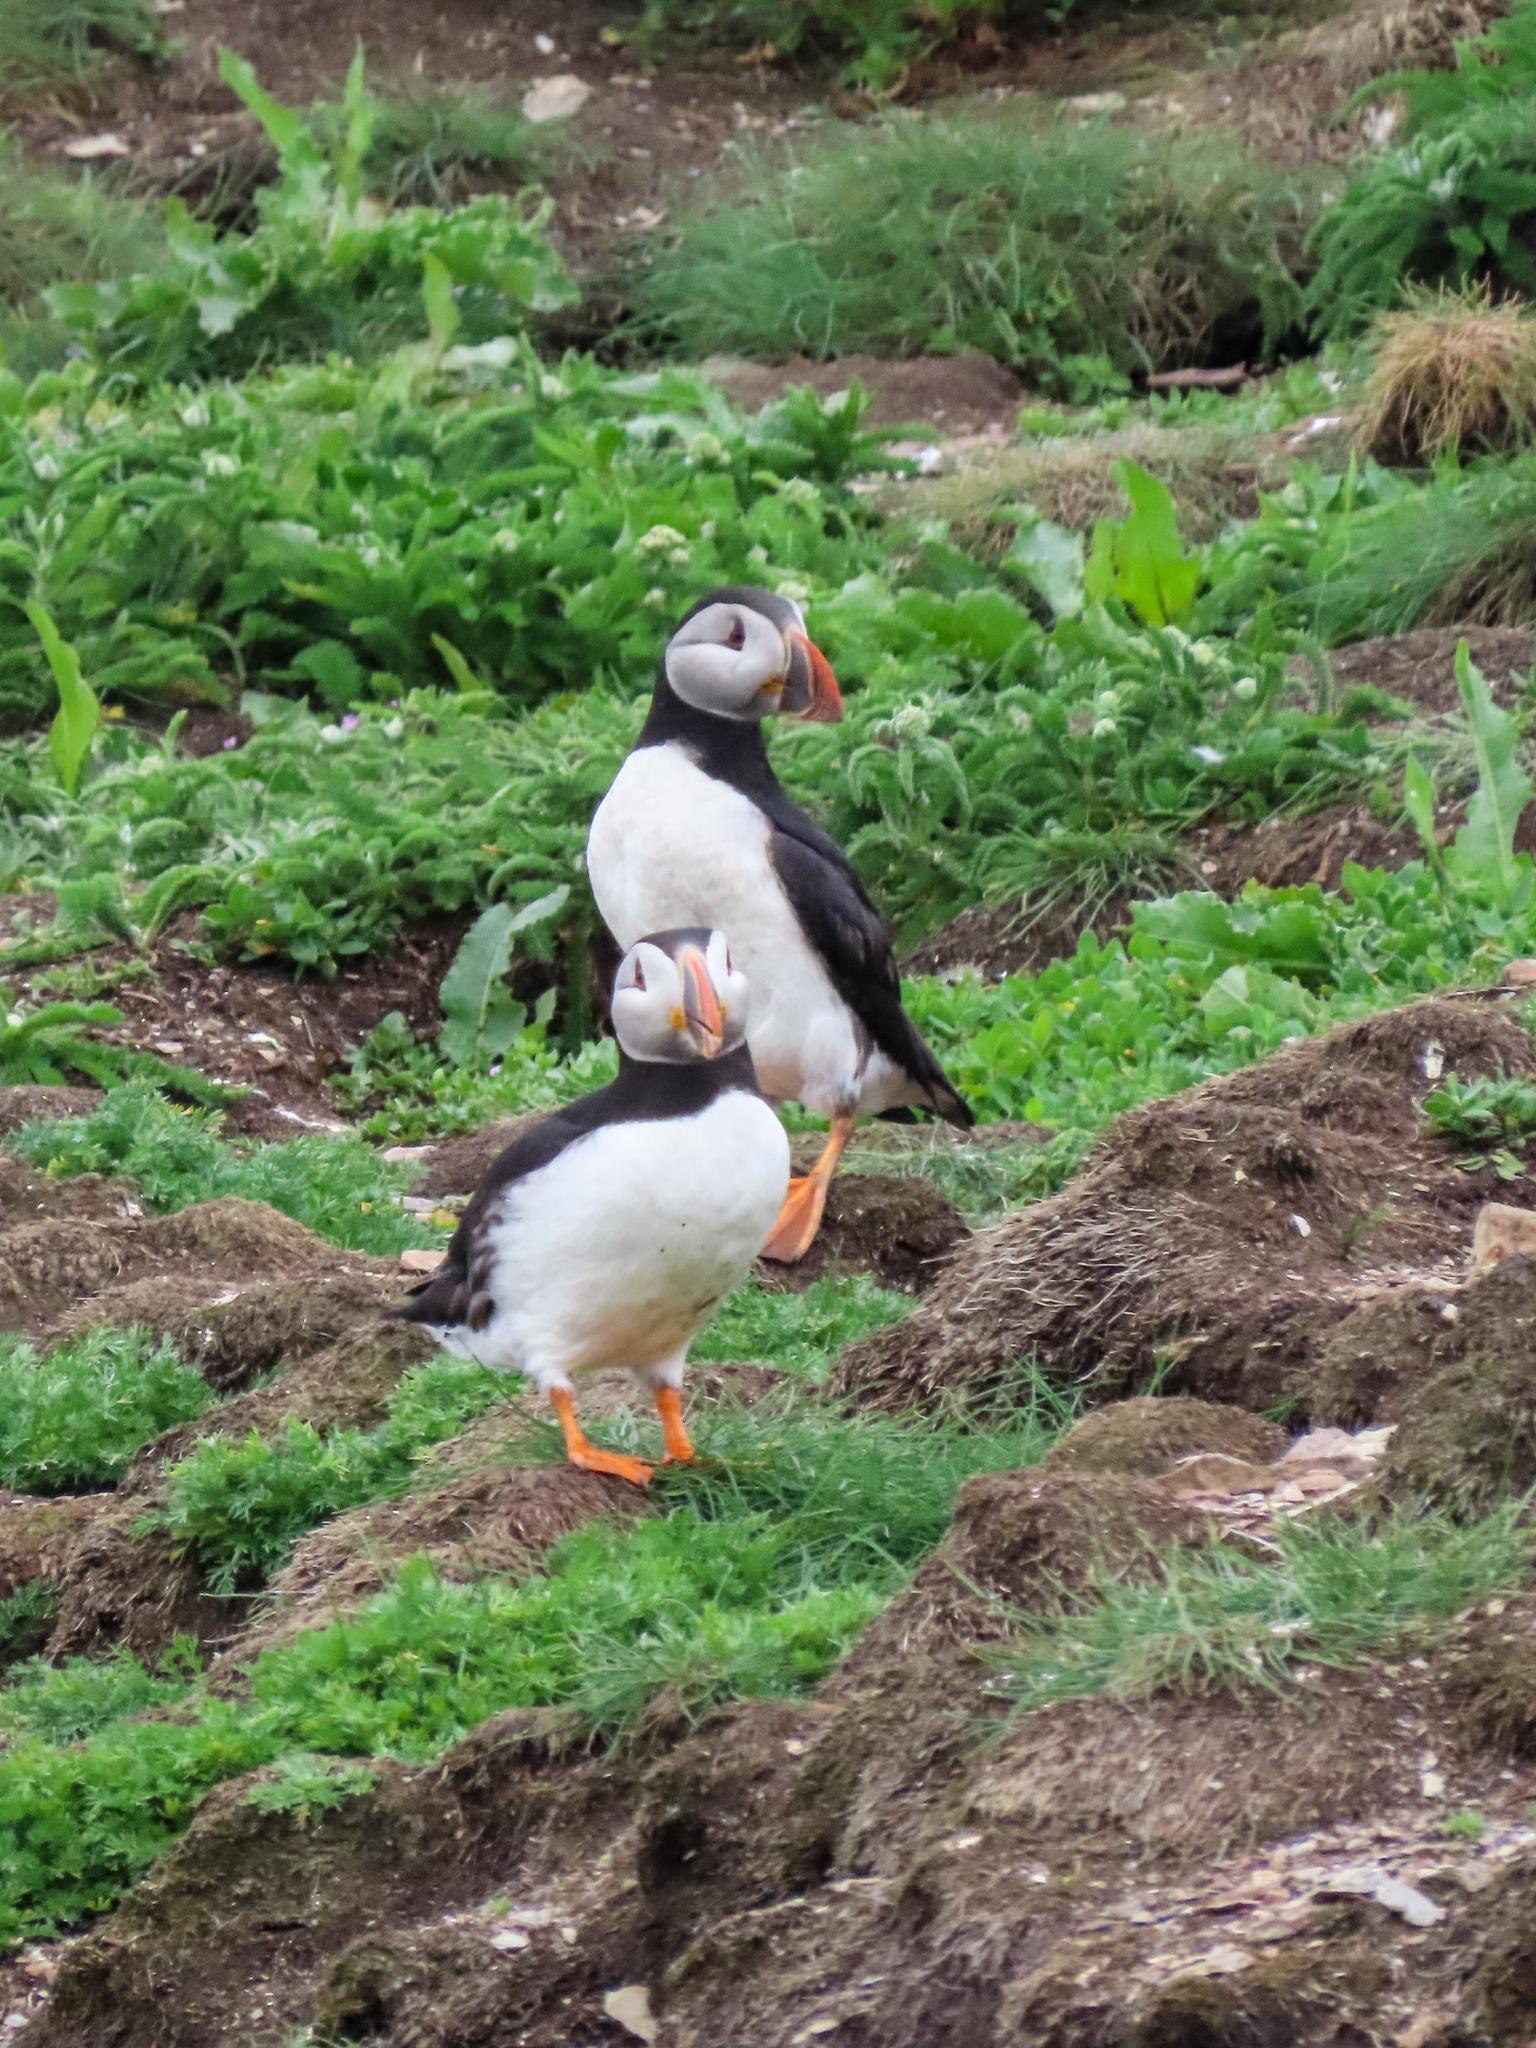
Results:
x,y
1454,371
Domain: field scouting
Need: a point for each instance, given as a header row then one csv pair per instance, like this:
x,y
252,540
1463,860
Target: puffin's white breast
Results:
x,y
672,846
618,1250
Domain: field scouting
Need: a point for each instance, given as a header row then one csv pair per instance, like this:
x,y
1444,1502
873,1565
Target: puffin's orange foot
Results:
x,y
612,1464
799,1220
669,1406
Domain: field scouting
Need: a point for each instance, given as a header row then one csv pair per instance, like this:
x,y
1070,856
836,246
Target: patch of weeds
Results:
x,y
72,1417
45,44
304,1784
337,1187
1337,1594
1496,1113
26,1615
752,1585
433,145
1455,373
242,1505
1466,1826
1075,251
803,1332
60,1040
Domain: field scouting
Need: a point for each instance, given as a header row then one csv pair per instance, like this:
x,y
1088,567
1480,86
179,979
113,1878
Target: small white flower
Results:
x,y
707,449
1106,704
1442,188
220,465
1201,653
370,558
392,728
799,490
679,558
758,557
1021,721
1103,728
1246,687
912,722
195,414
707,530
654,597
796,591
552,388
47,467
332,735
505,540
662,540
1211,756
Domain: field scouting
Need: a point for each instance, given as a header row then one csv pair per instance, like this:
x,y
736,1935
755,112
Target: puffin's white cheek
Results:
x,y
711,678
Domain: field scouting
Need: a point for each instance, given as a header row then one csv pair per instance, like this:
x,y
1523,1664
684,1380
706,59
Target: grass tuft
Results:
x,y
1073,251
336,1186
1455,374
1338,1593
46,44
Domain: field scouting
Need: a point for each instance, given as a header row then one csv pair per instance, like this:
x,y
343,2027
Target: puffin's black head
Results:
x,y
678,997
744,653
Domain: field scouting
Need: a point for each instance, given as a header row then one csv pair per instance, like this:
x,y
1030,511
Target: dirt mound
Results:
x,y
1019,1542
35,1534
233,1333
960,393
1466,1430
30,1105
122,1581
48,1269
1144,1436
28,1195
1420,667
1225,1230
501,1519
900,1230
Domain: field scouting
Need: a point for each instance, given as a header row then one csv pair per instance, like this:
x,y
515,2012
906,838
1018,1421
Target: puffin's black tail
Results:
x,y
443,1299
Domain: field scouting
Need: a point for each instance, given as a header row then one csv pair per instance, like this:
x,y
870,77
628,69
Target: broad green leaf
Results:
x,y
463,675
1152,574
1050,559
79,714
1419,803
1484,848
480,1019
443,315
1289,936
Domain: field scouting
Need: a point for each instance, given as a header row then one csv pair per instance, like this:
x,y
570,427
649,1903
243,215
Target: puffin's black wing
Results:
x,y
453,1294
841,922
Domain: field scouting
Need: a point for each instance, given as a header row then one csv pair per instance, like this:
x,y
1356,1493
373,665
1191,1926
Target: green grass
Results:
x,y
802,1332
753,1582
72,1418
49,44
1337,1594
437,144
337,1187
1074,251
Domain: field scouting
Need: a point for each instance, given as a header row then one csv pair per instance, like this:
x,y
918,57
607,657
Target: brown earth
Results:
x,y
1187,1870
1225,1231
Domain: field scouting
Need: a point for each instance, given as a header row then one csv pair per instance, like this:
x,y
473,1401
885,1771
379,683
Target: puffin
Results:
x,y
608,1233
696,828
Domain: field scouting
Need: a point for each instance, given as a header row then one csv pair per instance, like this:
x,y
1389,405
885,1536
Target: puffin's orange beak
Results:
x,y
816,698
701,1006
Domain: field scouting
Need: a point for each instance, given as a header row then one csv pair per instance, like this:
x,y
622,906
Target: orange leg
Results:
x,y
800,1217
669,1406
587,1455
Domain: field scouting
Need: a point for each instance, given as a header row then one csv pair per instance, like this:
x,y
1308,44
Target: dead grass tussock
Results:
x,y
1454,371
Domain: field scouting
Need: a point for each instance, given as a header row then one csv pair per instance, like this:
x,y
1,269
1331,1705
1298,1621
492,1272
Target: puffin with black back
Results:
x,y
697,828
608,1233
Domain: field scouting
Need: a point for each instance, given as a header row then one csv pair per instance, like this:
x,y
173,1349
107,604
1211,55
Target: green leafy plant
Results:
x,y
303,1784
72,1419
1483,851
1495,1113
1453,203
49,1044
321,261
79,714
481,1022
1140,559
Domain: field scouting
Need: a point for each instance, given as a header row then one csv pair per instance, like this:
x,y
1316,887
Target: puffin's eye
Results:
x,y
728,967
639,977
736,639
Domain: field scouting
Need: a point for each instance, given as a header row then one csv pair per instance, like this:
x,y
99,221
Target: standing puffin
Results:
x,y
697,829
608,1233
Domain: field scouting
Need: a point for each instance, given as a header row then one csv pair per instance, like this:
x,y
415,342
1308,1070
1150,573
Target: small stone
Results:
x,y
630,2008
1432,1784
421,1261
557,98
1520,974
509,1937
87,148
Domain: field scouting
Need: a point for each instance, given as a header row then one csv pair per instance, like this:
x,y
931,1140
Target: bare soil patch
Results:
x,y
1225,1231
958,394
